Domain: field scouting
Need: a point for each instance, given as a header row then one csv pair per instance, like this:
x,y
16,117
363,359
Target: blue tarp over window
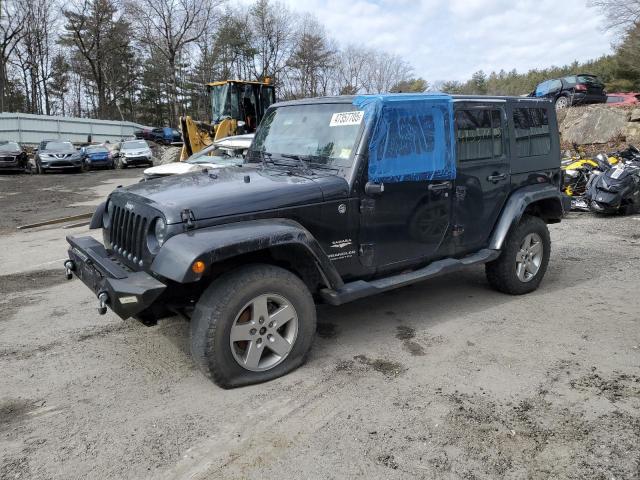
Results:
x,y
412,136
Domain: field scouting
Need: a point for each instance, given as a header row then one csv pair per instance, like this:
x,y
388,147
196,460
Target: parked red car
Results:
x,y
623,98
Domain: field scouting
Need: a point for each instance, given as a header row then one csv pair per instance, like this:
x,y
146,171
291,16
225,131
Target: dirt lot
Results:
x,y
33,198
442,380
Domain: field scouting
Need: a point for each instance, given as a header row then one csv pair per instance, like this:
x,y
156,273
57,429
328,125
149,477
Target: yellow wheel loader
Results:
x,y
236,108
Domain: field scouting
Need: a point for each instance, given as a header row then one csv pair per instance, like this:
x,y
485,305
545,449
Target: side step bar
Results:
x,y
360,288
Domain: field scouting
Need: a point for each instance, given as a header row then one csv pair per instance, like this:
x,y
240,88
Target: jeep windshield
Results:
x,y
318,135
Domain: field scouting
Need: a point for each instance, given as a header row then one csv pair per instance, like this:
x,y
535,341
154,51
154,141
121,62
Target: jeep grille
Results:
x,y
128,233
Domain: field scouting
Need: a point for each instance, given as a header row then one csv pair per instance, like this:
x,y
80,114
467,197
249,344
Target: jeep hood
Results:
x,y
232,191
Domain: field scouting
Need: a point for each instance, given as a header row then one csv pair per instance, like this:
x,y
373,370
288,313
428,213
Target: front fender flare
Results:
x,y
515,206
96,219
215,244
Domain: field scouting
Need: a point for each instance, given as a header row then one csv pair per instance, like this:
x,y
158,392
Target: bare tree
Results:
x,y
273,37
12,26
170,26
384,71
623,14
352,69
312,60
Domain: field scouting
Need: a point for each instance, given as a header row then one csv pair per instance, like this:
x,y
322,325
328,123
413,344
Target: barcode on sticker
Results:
x,y
342,119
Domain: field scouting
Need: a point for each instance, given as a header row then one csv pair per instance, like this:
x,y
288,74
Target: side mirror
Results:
x,y
373,189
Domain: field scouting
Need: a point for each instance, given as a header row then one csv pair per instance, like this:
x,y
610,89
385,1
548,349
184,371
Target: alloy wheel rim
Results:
x,y
529,257
264,332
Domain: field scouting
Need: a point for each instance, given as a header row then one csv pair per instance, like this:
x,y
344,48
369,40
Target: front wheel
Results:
x,y
523,262
252,325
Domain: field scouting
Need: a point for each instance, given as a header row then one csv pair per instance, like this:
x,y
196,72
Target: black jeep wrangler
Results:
x,y
340,198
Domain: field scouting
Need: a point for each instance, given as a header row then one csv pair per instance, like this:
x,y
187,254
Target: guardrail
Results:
x,y
28,129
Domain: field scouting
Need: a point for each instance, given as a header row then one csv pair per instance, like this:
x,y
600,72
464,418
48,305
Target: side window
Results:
x,y
543,88
478,134
532,132
571,80
555,86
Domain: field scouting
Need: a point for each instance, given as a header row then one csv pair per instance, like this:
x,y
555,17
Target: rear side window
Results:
x,y
590,79
478,134
532,132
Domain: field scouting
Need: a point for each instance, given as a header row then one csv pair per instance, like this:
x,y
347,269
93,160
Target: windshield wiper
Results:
x,y
299,158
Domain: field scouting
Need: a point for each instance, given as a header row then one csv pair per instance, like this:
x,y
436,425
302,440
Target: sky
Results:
x,y
449,40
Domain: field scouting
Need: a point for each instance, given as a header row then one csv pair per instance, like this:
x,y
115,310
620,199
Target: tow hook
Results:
x,y
69,267
103,298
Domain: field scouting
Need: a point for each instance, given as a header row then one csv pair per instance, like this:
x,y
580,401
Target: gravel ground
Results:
x,y
442,380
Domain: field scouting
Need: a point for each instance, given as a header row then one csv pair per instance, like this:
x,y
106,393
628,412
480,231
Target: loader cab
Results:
x,y
245,102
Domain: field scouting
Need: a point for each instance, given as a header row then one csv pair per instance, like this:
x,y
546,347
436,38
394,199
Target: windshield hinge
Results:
x,y
188,219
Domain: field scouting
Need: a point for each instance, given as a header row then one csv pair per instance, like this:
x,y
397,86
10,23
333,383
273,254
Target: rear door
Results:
x,y
483,178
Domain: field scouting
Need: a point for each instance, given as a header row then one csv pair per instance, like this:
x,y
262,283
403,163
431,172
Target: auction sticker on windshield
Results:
x,y
342,119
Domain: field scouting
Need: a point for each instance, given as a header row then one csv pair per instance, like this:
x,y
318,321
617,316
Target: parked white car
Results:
x,y
134,152
223,153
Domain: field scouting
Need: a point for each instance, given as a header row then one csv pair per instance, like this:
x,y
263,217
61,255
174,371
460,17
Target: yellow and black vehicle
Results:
x,y
237,106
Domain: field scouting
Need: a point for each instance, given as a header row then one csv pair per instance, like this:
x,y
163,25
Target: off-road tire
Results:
x,y
501,273
222,301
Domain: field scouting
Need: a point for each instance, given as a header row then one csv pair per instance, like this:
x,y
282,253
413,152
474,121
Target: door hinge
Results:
x,y
367,205
366,254
188,219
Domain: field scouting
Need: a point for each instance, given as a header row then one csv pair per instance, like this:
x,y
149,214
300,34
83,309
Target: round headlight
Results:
x,y
107,215
160,231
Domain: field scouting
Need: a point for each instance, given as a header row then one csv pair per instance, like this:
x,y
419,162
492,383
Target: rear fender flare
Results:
x,y
517,204
216,244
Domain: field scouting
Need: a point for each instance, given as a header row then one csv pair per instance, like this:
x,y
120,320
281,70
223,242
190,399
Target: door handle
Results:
x,y
496,177
437,187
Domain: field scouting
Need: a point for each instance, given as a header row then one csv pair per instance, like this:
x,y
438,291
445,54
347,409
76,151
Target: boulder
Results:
x,y
635,115
593,124
632,133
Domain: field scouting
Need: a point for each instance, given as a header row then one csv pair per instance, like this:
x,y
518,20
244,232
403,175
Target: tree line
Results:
x,y
148,61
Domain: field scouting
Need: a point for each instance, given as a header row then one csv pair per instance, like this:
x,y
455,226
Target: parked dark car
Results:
x,y
165,135
57,155
95,156
341,198
572,90
12,156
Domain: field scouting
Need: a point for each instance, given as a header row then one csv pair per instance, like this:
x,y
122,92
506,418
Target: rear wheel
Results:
x,y
562,102
523,262
252,325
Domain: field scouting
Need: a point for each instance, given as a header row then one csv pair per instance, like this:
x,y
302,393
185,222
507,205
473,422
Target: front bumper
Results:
x,y
137,160
14,163
60,164
127,292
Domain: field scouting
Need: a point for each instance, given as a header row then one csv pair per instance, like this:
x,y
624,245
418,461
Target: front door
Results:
x,y
483,180
405,224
